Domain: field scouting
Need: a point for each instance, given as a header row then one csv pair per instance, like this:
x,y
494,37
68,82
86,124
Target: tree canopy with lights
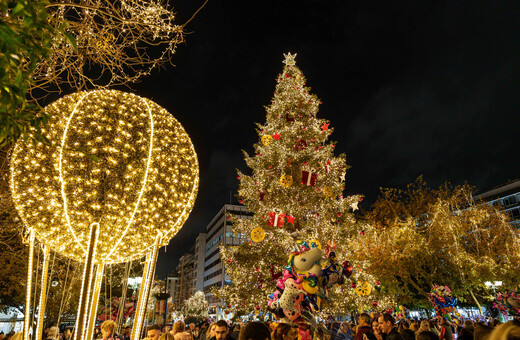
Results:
x,y
418,237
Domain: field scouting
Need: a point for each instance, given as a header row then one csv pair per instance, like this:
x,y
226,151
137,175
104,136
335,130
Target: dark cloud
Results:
x,y
411,87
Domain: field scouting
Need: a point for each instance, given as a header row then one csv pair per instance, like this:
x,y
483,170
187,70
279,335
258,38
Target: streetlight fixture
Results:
x,y
493,285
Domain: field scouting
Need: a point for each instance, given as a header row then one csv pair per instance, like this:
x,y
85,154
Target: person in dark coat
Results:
x,y
387,325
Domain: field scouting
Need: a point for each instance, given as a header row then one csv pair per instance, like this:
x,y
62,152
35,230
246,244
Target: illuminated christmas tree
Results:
x,y
294,187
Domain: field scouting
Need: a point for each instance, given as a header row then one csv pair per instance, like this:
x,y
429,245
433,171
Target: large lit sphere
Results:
x,y
115,159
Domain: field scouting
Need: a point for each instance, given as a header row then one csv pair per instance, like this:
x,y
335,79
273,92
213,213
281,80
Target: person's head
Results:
x,y
364,320
386,323
344,326
221,330
126,330
468,324
211,330
178,327
153,332
406,324
482,331
375,325
252,331
53,332
16,336
67,332
506,331
107,328
167,336
425,325
426,335
284,331
465,334
191,326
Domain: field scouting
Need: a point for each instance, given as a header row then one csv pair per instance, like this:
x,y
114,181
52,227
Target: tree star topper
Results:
x,y
289,59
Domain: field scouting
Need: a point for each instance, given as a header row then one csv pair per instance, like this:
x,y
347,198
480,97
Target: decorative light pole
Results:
x,y
116,180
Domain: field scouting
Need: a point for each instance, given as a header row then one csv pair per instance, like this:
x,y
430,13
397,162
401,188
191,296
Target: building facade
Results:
x,y
507,197
220,233
202,269
173,288
186,270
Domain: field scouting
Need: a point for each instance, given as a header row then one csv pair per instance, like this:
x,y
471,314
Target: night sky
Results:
x,y
411,87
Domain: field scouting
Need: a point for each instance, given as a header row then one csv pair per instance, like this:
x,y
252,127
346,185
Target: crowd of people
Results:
x,y
382,327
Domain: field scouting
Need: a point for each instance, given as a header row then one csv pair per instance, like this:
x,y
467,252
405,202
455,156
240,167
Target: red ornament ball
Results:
x,y
353,285
229,260
374,303
338,214
258,307
228,305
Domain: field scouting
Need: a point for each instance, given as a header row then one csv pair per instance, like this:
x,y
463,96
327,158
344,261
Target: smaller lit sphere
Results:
x,y
115,159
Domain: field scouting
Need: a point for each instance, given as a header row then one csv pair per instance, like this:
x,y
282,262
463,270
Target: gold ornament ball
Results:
x,y
286,181
113,158
327,191
266,139
257,234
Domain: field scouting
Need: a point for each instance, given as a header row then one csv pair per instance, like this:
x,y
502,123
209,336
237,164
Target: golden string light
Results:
x,y
115,159
144,290
43,291
123,40
28,294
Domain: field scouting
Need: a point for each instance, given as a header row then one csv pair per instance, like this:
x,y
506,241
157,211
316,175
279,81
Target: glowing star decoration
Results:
x,y
115,159
289,59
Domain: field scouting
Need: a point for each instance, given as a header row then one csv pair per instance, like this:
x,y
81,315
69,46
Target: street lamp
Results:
x,y
493,285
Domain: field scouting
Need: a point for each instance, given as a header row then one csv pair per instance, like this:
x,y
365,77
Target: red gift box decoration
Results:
x,y
275,219
309,177
328,167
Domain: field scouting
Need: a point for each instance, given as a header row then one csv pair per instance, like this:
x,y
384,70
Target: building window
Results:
x,y
509,201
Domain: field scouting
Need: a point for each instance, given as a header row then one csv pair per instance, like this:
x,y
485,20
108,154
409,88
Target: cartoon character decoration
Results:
x,y
111,310
305,281
442,300
508,302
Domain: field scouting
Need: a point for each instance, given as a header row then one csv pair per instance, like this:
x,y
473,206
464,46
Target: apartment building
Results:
x,y
507,196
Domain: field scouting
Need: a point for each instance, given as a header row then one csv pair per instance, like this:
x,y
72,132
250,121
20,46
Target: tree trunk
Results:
x,y
476,301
